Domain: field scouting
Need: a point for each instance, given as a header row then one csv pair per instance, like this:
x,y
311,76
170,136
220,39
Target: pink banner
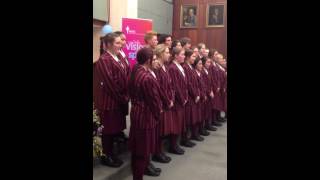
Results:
x,y
134,29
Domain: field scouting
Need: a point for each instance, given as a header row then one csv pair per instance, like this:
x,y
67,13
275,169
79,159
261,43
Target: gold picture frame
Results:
x,y
189,16
215,15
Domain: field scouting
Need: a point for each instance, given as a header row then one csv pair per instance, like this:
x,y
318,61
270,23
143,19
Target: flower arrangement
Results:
x,y
97,130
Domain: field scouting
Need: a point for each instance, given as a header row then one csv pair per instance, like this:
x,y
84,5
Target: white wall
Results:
x,y
159,11
100,10
120,9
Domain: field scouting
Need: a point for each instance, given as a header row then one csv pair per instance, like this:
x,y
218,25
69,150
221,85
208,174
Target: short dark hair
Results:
x,y
163,37
185,40
196,61
144,54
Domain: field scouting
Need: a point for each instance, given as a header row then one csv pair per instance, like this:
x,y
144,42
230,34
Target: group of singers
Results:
x,y
177,93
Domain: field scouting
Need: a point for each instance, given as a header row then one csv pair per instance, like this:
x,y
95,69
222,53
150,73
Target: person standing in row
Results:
x,y
111,96
167,97
192,113
179,83
166,40
204,96
216,84
175,44
223,80
185,42
151,39
207,78
145,115
123,57
202,49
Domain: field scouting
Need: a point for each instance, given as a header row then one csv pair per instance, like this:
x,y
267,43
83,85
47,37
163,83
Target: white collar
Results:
x,y
221,67
164,68
114,57
153,74
205,70
180,68
124,56
198,73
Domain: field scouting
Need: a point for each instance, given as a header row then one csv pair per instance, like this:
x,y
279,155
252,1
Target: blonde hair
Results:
x,y
159,50
149,35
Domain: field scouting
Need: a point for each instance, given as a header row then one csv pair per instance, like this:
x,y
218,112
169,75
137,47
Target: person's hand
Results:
x,y
197,99
218,89
171,104
211,94
185,102
205,98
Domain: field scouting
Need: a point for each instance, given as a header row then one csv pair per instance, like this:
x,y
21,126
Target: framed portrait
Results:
x,y
215,15
189,16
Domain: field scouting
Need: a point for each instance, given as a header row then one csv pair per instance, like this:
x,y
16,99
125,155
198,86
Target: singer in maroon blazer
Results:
x,y
167,92
206,104
144,116
192,110
180,87
111,93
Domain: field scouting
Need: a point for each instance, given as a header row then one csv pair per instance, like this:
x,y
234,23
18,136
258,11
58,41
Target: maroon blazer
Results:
x,y
166,87
179,84
193,88
110,83
145,98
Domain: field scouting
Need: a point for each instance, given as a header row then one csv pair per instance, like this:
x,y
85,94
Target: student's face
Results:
x,y
203,49
180,57
153,42
178,45
116,45
207,64
166,55
155,63
187,46
196,51
206,52
123,40
215,53
168,42
199,66
219,59
192,58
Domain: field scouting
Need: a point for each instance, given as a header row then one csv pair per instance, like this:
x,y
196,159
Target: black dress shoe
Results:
x,y
187,143
176,150
121,137
154,168
160,158
204,132
109,161
116,159
149,171
180,149
197,138
211,128
166,157
216,123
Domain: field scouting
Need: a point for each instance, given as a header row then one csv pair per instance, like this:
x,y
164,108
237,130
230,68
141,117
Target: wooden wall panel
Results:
x,y
213,37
